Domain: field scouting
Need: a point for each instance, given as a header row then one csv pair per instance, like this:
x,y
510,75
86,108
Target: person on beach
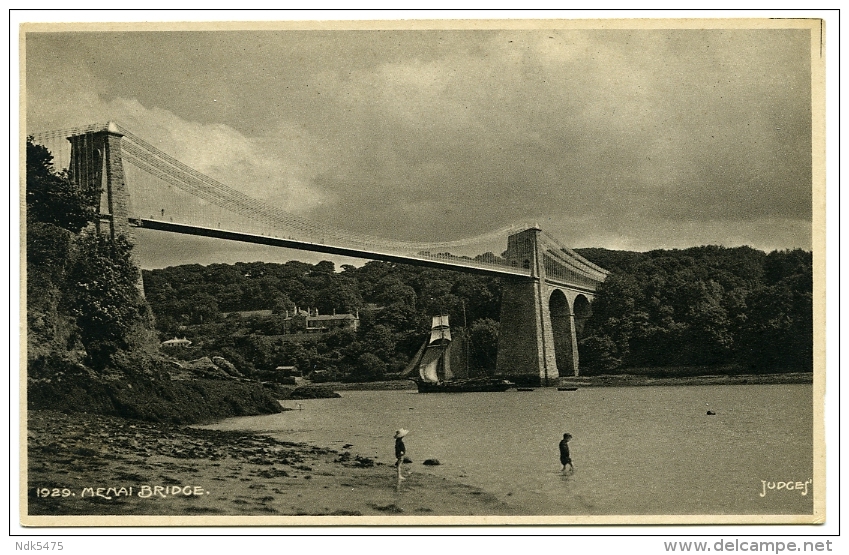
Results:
x,y
400,450
565,458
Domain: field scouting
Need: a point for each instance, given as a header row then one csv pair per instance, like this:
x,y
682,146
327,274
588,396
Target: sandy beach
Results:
x,y
83,464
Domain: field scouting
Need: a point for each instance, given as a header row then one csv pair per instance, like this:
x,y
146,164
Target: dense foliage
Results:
x,y
82,288
90,341
394,303
103,295
704,306
51,198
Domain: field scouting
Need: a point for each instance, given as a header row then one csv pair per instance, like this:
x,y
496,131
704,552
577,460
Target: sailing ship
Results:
x,y
433,362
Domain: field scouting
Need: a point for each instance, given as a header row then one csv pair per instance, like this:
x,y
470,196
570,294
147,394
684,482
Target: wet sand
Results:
x,y
156,469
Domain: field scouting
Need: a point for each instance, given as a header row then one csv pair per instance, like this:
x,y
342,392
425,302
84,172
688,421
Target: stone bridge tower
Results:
x,y
97,165
543,317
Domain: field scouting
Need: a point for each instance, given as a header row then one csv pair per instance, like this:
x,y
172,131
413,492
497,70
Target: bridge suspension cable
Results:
x,y
159,164
560,261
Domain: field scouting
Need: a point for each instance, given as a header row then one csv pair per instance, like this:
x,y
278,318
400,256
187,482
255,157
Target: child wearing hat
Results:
x,y
565,458
400,450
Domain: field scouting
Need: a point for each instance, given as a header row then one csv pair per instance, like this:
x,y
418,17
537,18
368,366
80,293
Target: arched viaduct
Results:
x,y
543,317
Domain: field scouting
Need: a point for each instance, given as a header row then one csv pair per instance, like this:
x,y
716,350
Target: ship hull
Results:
x,y
471,385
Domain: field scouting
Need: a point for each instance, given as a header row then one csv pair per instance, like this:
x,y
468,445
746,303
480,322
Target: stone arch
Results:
x,y
560,314
582,309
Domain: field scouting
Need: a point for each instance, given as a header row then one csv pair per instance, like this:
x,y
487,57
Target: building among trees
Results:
x,y
181,343
313,322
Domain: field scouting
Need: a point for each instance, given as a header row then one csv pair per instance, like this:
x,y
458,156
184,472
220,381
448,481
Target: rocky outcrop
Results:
x,y
205,368
313,392
215,368
145,389
227,366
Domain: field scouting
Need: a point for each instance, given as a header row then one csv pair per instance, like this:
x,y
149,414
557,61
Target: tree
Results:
x,y
55,211
48,249
380,341
778,333
257,349
103,295
482,296
781,265
341,295
598,355
483,351
201,308
368,368
325,267
397,316
708,337
390,290
700,306
283,304
51,197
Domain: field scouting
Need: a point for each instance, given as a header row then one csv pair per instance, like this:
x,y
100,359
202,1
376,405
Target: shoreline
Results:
x,y
156,469
637,380
611,380
85,464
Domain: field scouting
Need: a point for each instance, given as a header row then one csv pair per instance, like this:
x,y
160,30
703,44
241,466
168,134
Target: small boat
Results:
x,y
433,362
567,389
524,389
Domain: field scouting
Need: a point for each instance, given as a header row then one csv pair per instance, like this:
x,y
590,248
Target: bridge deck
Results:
x,y
464,265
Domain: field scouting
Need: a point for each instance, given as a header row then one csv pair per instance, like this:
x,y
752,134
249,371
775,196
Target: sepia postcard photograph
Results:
x,y
428,273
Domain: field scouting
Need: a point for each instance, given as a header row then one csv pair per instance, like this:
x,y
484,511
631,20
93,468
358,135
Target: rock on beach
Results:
x,y
86,464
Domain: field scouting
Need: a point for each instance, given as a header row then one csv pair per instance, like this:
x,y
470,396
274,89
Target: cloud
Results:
x,y
614,136
279,168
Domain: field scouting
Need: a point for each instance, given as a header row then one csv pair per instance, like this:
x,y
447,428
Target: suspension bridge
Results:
x,y
547,290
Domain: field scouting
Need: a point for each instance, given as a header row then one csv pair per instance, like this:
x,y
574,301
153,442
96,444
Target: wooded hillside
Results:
x,y
704,306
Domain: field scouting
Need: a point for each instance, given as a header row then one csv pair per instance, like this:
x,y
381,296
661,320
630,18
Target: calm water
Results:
x,y
637,450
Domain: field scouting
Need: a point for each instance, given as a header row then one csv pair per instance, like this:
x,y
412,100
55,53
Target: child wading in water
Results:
x,y
565,458
400,450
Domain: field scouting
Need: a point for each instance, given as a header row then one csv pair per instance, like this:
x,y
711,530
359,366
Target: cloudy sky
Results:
x,y
624,139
